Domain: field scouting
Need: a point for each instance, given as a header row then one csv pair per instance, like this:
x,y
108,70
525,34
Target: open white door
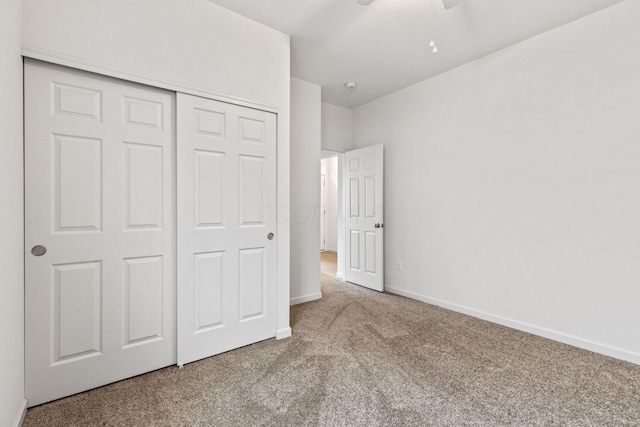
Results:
x,y
99,260
364,238
226,225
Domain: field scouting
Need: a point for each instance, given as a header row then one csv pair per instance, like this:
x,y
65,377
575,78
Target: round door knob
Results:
x,y
270,236
38,250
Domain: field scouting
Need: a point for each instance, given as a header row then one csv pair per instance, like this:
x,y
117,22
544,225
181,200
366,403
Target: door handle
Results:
x,y
38,250
270,236
378,225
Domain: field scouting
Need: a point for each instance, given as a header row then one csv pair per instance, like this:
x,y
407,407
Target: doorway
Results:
x,y
359,216
331,218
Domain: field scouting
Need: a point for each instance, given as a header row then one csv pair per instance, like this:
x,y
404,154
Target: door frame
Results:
x,y
323,209
341,255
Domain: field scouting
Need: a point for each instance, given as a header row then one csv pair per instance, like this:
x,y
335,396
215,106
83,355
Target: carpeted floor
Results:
x,y
361,358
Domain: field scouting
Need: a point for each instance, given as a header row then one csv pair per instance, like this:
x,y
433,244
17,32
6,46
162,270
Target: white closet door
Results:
x,y
226,225
364,177
99,304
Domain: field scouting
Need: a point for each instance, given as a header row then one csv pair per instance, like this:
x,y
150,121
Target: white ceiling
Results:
x,y
385,46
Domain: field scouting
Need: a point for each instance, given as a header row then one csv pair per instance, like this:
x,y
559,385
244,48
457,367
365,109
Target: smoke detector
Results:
x,y
351,85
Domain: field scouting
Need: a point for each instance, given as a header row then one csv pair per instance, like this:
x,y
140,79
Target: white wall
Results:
x,y
305,191
191,43
192,46
331,203
336,127
512,184
11,217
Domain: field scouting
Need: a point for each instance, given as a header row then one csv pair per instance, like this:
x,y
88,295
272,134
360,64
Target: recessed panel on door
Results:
x,y
370,196
354,197
77,308
77,101
143,300
251,190
144,186
209,123
143,112
370,162
209,174
252,284
208,296
370,252
251,130
77,183
354,255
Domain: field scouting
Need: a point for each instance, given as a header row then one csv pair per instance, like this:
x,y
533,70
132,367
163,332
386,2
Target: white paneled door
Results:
x,y
364,217
99,231
226,227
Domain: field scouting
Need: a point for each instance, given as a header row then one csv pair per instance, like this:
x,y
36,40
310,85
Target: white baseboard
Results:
x,y
596,347
22,412
331,250
340,276
283,333
305,298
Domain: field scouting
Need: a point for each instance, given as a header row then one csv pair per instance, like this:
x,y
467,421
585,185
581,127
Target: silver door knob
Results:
x,y
378,225
38,250
270,236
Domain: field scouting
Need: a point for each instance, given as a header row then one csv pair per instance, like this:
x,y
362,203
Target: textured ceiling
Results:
x,y
385,46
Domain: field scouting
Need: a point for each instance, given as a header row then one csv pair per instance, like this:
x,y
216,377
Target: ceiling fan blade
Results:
x,y
364,2
448,4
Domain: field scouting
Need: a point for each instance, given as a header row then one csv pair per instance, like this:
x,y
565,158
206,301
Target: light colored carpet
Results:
x,y
361,358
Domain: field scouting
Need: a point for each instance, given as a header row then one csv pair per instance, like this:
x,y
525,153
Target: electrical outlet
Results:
x,y
399,265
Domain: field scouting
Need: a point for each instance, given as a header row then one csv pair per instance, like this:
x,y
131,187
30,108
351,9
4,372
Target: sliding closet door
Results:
x,y
99,231
226,225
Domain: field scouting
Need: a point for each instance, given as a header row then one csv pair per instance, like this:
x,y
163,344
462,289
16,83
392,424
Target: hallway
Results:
x,y
328,268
